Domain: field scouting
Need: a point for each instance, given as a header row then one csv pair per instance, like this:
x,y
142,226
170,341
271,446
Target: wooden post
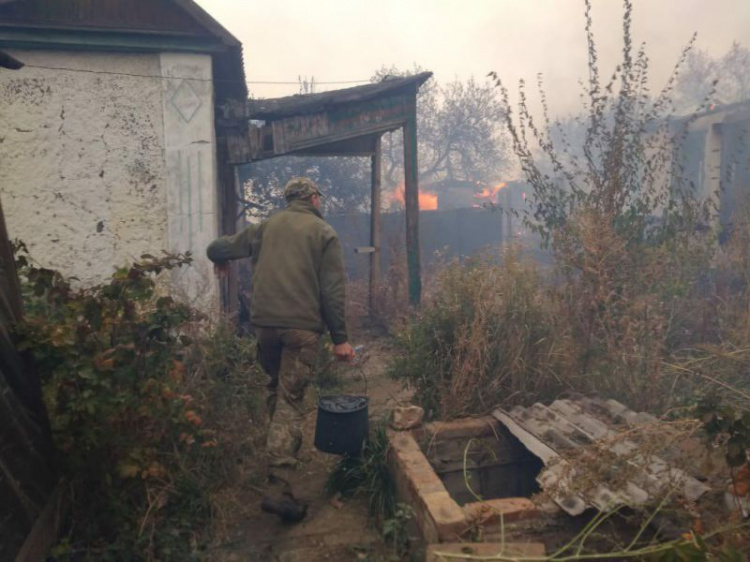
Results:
x,y
509,218
500,213
375,206
711,173
411,201
228,209
11,291
232,285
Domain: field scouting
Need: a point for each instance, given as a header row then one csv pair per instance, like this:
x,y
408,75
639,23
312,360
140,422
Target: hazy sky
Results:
x,y
339,40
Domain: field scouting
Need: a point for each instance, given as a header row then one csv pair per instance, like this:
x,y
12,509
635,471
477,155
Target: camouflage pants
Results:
x,y
288,357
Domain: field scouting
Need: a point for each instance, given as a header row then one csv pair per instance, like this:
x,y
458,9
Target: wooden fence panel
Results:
x,y
27,475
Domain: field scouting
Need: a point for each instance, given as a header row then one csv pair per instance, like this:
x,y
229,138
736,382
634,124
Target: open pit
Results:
x,y
462,475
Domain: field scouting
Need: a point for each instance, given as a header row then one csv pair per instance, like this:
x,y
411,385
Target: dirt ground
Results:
x,y
332,531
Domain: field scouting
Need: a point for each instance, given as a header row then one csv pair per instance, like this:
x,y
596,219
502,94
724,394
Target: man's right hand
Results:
x,y
344,352
221,269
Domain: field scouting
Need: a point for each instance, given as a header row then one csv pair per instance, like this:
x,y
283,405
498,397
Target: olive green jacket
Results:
x,y
298,275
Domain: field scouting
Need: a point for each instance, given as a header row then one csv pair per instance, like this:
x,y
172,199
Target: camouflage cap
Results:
x,y
300,188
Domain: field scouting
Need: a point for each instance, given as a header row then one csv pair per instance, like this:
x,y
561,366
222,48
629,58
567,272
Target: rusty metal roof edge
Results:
x,y
207,20
193,10
269,109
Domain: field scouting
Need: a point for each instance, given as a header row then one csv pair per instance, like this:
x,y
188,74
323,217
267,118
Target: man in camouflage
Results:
x,y
299,282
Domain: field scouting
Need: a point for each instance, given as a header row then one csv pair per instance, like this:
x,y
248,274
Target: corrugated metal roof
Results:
x,y
301,104
555,433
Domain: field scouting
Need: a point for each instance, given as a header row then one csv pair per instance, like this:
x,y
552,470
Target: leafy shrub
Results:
x,y
134,416
488,335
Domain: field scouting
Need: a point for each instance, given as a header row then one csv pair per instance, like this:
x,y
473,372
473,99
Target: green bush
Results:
x,y
488,335
136,415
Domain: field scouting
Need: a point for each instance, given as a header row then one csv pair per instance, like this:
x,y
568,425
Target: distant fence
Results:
x,y
455,233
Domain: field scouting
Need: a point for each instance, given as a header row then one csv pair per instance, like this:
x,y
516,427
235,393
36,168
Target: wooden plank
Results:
x,y
508,217
228,210
375,207
46,530
411,201
11,292
270,141
308,131
26,454
359,146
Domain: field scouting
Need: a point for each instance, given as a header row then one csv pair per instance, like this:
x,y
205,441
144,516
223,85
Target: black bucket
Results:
x,y
342,425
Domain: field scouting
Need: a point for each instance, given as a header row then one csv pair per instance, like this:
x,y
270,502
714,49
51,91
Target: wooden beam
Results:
x,y
232,282
46,530
375,206
11,290
228,210
358,146
411,200
508,218
269,141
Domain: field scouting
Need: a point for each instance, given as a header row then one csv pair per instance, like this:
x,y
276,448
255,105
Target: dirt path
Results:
x,y
333,533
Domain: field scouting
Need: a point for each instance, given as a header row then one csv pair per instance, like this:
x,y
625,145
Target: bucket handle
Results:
x,y
364,376
358,366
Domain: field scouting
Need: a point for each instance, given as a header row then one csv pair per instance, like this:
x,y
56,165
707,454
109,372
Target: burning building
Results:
x,y
450,195
458,219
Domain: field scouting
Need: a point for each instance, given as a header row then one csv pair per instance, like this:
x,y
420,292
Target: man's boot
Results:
x,y
281,501
286,507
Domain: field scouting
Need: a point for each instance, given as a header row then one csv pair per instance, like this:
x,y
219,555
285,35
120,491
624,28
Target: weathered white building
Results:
x,y
112,136
717,156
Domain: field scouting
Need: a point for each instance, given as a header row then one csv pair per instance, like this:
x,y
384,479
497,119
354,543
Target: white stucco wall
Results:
x,y
190,155
93,164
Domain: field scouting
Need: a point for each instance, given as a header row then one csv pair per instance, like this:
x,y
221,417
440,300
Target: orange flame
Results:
x,y
490,192
427,201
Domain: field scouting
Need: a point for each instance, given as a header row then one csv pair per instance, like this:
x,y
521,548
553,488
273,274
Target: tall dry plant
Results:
x,y
629,231
644,297
625,168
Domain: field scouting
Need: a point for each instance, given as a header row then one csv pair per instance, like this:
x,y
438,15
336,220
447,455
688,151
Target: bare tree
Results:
x,y
458,134
345,183
728,75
